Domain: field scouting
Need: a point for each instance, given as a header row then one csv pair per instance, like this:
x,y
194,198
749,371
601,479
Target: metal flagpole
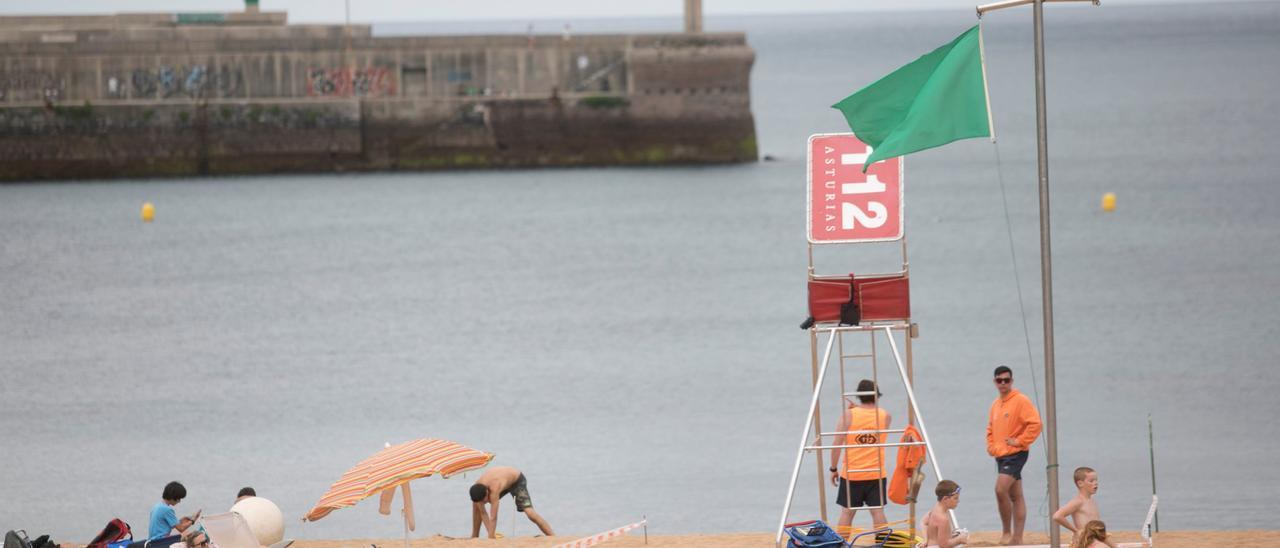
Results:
x,y
1046,262
1046,277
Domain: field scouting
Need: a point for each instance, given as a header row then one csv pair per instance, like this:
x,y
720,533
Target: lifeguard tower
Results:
x,y
859,321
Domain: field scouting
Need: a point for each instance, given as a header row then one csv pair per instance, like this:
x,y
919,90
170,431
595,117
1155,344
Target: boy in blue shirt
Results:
x,y
163,518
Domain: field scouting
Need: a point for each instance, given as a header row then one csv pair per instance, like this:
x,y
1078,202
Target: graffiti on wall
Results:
x,y
181,81
341,82
31,85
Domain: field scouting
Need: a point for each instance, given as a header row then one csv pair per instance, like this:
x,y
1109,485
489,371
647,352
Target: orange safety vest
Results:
x,y
869,463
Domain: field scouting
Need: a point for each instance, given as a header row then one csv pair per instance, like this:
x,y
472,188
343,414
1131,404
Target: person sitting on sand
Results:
x,y
1082,509
1092,535
490,488
937,522
164,519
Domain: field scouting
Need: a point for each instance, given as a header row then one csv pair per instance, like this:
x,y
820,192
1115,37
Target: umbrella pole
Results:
x,y
407,512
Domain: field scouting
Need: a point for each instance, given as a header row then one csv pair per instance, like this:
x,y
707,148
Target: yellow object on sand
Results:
x,y
148,212
1109,202
899,538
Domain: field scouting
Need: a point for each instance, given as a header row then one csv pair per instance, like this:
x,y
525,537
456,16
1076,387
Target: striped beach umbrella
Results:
x,y
394,466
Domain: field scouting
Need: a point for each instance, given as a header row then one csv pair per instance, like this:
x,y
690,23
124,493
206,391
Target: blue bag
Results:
x,y
155,543
813,534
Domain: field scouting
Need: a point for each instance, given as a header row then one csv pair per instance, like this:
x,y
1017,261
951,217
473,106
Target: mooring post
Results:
x,y
693,15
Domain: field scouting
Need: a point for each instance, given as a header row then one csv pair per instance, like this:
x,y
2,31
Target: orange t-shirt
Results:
x,y
871,463
1012,416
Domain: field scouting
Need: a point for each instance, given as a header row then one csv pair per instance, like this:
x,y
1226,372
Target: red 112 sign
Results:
x,y
845,204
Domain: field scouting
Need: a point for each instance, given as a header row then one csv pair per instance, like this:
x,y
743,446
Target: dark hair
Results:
x,y
174,491
246,492
1003,369
945,489
479,492
868,385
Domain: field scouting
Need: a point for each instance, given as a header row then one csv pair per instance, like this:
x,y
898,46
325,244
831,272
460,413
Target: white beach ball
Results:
x,y
264,519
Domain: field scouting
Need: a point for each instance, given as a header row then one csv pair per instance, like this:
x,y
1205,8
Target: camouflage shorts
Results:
x,y
520,493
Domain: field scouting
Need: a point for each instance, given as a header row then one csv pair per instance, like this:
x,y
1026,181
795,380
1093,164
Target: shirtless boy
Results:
x,y
489,489
1082,509
938,521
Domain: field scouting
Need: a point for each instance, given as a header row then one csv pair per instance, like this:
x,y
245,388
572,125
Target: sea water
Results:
x,y
628,337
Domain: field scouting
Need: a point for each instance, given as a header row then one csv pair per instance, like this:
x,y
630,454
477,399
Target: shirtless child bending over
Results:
x,y
1082,509
937,522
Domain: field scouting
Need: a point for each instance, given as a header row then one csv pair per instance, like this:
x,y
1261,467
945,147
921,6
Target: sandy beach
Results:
x,y
1171,539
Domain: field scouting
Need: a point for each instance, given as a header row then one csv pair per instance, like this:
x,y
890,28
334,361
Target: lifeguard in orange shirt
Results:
x,y
1013,425
861,476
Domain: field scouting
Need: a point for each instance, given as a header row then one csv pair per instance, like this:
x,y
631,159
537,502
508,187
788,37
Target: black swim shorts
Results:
x,y
859,493
520,493
1011,465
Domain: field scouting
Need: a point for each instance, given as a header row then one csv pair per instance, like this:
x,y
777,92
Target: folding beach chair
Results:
x,y
230,530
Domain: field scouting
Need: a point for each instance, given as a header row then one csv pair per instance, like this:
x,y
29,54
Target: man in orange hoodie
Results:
x,y
1013,425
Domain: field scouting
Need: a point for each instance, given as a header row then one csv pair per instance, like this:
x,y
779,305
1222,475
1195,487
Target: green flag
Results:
x,y
936,99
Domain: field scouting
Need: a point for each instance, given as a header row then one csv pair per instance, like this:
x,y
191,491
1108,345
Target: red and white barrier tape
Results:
x,y
597,539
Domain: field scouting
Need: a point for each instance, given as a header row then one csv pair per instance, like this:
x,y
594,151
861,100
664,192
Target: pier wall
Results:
x,y
101,99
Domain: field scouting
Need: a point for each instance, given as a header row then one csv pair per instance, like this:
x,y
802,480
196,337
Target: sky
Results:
x,y
380,11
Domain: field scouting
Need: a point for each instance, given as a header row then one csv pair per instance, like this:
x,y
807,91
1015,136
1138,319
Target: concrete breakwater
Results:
x,y
160,95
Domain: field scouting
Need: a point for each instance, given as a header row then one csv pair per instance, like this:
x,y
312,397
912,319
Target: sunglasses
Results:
x,y
956,492
1004,380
